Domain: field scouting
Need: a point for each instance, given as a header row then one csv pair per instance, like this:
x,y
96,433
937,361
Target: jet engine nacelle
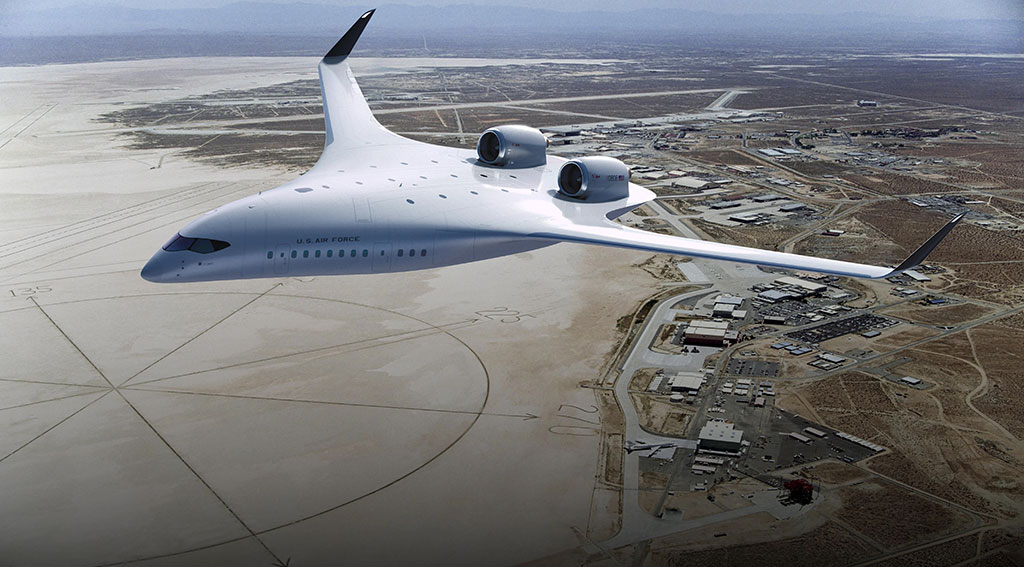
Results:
x,y
512,146
594,178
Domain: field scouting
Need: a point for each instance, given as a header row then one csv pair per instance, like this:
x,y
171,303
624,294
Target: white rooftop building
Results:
x,y
810,287
729,299
690,182
686,382
722,310
916,276
720,436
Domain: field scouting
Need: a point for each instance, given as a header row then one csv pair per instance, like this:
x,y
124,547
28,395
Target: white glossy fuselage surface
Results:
x,y
394,211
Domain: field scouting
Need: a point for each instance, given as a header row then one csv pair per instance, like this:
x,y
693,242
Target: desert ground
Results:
x,y
257,422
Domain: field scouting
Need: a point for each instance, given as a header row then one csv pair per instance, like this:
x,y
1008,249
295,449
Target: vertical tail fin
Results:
x,y
348,120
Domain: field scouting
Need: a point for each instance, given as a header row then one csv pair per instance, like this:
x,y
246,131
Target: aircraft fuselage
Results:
x,y
392,216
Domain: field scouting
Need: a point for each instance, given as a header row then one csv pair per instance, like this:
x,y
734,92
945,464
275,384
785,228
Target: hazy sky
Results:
x,y
946,9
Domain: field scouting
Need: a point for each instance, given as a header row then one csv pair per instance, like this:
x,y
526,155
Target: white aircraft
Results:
x,y
378,202
639,445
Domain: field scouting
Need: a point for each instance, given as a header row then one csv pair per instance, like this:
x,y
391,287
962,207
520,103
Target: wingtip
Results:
x,y
343,48
921,253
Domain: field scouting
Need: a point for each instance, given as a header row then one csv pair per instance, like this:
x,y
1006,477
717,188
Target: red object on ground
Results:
x,y
800,490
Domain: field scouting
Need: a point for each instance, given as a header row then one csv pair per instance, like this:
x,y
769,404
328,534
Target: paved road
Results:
x,y
637,524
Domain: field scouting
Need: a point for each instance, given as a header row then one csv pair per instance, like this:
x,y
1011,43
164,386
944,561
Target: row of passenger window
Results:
x,y
341,253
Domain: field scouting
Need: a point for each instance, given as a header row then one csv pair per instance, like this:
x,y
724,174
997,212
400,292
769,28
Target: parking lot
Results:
x,y
792,311
757,368
775,448
833,329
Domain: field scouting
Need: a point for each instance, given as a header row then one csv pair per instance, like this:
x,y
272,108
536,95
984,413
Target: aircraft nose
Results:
x,y
157,269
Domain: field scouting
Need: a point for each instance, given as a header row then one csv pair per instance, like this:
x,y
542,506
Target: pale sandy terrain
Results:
x,y
366,420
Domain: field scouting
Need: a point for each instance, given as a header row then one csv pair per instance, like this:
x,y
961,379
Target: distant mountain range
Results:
x,y
467,20
103,33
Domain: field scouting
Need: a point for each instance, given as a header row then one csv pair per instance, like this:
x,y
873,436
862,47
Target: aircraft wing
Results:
x,y
610,234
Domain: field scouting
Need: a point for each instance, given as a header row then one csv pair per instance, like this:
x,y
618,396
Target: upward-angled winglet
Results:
x,y
921,253
348,41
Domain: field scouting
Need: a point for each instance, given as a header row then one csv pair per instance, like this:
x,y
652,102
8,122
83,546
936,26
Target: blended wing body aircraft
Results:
x,y
378,202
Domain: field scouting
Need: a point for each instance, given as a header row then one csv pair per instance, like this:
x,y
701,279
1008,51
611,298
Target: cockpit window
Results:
x,y
179,242
200,245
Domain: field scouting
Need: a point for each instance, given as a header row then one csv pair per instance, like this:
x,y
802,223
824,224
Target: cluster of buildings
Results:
x,y
728,306
756,209
795,350
827,361
764,217
788,287
744,386
956,204
679,385
689,179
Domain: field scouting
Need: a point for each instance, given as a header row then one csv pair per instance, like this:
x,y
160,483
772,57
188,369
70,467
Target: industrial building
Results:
x,y
779,152
834,359
691,183
704,332
916,276
730,300
722,310
815,432
720,436
788,287
745,218
862,442
808,286
775,295
728,306
723,204
801,438
686,382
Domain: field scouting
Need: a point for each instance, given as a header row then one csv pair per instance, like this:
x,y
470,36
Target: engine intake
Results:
x,y
512,146
594,178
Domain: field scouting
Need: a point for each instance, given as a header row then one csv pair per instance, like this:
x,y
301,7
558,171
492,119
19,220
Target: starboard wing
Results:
x,y
610,234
